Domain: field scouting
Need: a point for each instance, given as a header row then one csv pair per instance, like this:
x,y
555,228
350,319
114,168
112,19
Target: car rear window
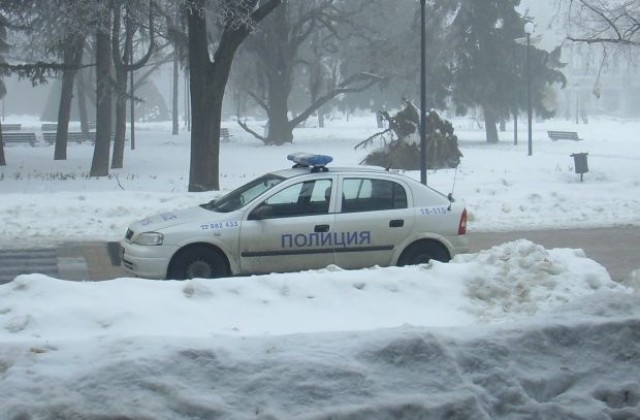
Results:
x,y
367,194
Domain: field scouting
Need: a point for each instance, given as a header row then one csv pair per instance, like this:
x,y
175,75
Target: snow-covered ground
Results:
x,y
516,331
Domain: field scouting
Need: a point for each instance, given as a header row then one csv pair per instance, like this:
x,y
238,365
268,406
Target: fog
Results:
x,y
598,83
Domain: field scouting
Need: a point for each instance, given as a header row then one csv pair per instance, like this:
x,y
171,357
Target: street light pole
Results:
x,y
528,29
423,95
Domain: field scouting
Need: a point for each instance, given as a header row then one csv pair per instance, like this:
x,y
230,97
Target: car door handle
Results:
x,y
321,228
396,223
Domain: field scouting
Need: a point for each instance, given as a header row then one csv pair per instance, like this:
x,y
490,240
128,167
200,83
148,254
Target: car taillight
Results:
x,y
462,227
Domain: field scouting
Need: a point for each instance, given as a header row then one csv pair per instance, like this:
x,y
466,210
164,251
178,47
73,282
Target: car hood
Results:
x,y
173,218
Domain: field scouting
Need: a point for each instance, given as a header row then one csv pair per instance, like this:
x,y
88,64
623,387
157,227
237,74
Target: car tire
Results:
x,y
422,252
198,261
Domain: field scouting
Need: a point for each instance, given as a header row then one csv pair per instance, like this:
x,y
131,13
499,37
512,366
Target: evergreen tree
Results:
x,y
392,50
488,64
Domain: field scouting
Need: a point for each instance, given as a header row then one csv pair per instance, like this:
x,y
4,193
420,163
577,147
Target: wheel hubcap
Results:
x,y
199,269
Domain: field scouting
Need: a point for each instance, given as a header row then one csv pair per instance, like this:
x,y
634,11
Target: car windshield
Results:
x,y
239,197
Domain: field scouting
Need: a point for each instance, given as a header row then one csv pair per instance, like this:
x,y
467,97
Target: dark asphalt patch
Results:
x,y
113,249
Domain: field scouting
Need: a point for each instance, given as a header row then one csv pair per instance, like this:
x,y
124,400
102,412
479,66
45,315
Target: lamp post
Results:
x,y
528,29
423,96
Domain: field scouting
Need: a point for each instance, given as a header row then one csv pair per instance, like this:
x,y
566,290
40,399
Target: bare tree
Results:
x,y
104,91
278,50
605,22
123,64
51,31
72,58
208,79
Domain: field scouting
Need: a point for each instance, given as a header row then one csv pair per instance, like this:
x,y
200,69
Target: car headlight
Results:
x,y
149,238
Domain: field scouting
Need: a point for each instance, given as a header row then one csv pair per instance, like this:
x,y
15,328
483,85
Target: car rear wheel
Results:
x,y
198,262
422,252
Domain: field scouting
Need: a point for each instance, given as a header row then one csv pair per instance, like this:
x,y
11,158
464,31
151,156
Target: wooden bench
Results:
x,y
77,137
563,135
54,126
11,127
224,134
23,138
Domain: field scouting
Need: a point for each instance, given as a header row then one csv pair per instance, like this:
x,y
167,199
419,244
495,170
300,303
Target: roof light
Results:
x,y
309,159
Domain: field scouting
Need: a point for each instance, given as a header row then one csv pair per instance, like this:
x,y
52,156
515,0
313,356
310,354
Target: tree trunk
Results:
x,y
82,103
123,63
515,128
207,84
490,128
175,124
117,159
206,103
205,138
280,129
72,58
100,163
3,162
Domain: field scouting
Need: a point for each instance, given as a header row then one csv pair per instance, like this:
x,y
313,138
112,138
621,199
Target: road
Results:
x,y
69,261
617,249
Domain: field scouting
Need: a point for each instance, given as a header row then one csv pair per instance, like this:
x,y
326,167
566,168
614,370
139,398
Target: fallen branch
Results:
x,y
370,139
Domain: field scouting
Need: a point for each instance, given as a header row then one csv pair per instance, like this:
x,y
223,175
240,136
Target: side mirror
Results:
x,y
261,212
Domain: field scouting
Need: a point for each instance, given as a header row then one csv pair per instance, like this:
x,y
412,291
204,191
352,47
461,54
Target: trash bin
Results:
x,y
580,163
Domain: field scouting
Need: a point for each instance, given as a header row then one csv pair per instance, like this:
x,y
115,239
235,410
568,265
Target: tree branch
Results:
x,y
367,78
259,101
246,128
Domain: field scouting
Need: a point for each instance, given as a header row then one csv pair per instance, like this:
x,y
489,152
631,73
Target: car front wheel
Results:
x,y
422,252
198,261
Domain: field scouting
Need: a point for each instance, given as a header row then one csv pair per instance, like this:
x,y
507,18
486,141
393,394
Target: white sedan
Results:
x,y
305,217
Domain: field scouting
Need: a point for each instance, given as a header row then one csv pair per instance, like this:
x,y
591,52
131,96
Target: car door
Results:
x,y
373,218
285,231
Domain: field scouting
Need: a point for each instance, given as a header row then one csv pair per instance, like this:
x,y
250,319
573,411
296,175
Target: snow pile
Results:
x,y
522,278
501,284
514,331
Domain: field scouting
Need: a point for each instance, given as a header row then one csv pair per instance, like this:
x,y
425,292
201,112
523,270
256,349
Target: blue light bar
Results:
x,y
309,159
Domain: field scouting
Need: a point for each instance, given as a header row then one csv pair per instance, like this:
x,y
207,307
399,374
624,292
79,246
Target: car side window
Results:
x,y
302,199
369,194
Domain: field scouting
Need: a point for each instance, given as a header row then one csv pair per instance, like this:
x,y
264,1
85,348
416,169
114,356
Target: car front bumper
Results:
x,y
146,261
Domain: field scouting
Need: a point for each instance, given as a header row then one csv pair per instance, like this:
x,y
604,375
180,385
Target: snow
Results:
x,y
515,331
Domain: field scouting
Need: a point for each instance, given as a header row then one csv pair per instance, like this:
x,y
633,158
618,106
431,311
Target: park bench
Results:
x,y
11,127
54,126
224,134
12,137
563,135
78,137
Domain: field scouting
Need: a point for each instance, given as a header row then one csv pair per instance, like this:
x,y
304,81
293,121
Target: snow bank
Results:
x,y
516,331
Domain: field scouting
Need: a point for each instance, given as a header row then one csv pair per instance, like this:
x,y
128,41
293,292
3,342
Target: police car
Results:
x,y
305,217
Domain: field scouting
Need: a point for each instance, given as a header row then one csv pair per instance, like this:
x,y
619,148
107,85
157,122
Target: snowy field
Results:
x,y
513,332
44,201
